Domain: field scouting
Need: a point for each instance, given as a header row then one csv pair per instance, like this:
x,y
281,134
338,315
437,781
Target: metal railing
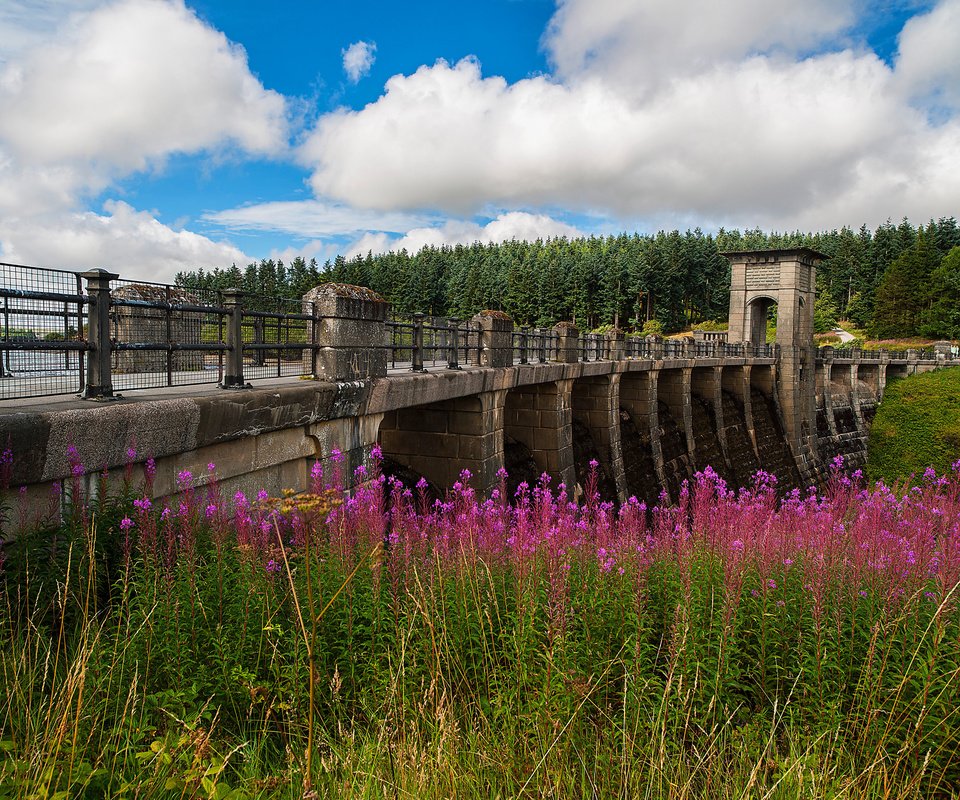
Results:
x,y
59,336
43,337
418,342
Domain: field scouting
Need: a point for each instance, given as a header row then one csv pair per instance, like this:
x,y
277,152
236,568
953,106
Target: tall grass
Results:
x,y
375,645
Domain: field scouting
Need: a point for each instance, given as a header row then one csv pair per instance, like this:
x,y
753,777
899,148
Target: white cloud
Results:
x,y
641,45
130,242
735,123
518,225
314,218
105,94
358,58
928,62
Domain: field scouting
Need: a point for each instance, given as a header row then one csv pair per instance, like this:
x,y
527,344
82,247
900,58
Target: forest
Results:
x,y
895,281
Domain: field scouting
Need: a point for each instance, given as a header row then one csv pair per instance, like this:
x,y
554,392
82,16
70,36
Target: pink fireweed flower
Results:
x,y
211,511
126,524
211,467
131,454
336,456
376,453
263,495
150,469
184,478
143,504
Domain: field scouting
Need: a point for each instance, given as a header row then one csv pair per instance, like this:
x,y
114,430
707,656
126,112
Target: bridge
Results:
x,y
189,379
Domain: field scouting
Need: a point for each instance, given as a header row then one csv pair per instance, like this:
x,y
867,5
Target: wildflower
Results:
x,y
211,511
77,470
143,505
771,583
263,496
150,468
336,456
272,567
736,544
126,524
184,478
376,453
131,454
211,467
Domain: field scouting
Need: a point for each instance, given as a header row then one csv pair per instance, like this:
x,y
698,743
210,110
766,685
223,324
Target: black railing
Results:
x,y
59,336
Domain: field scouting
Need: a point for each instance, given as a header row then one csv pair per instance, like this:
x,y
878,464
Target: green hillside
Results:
x,y
917,426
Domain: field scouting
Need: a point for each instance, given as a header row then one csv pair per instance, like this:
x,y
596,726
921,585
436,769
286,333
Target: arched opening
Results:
x,y
763,312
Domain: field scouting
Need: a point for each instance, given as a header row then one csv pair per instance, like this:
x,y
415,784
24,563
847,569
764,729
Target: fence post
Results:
x,y
453,358
233,372
99,384
524,335
417,354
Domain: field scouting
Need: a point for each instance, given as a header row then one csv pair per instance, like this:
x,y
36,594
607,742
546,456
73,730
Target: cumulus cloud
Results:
x,y
718,112
112,92
130,242
928,61
358,58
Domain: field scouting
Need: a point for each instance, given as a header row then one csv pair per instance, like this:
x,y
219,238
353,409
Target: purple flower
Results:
x,y
184,478
211,467
272,567
143,505
131,454
126,524
211,511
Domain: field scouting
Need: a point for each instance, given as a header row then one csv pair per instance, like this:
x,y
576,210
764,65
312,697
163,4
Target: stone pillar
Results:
x,y
440,440
539,416
596,404
496,339
674,390
349,331
615,345
568,342
638,396
99,378
943,351
654,346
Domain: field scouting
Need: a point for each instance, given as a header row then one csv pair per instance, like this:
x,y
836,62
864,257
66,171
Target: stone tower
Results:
x,y
785,278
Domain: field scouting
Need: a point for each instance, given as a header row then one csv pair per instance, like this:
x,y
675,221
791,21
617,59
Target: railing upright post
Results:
x,y
417,344
453,358
524,333
99,385
233,374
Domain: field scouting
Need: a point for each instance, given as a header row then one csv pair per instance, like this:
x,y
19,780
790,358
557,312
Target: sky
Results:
x,y
152,136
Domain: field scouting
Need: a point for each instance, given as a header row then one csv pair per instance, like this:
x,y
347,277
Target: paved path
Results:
x,y
845,336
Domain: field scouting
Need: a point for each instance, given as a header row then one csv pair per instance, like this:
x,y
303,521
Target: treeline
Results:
x,y
895,281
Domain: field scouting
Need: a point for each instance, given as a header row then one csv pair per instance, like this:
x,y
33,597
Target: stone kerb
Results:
x,y
568,342
496,338
350,327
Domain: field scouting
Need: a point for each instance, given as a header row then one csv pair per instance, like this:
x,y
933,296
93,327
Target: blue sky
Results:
x,y
148,136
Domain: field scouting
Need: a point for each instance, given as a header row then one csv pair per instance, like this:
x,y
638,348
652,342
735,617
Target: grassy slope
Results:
x,y
917,426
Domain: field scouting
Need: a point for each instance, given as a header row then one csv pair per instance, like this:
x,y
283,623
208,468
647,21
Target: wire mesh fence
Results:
x,y
42,342
277,339
165,335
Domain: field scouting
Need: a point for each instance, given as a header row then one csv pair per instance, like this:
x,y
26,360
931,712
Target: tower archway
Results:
x,y
760,279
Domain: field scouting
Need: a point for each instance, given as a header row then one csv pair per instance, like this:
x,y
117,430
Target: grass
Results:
x,y
374,645
917,426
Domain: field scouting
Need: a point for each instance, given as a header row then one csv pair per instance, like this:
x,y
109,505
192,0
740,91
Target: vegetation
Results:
x,y
735,645
677,279
917,426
